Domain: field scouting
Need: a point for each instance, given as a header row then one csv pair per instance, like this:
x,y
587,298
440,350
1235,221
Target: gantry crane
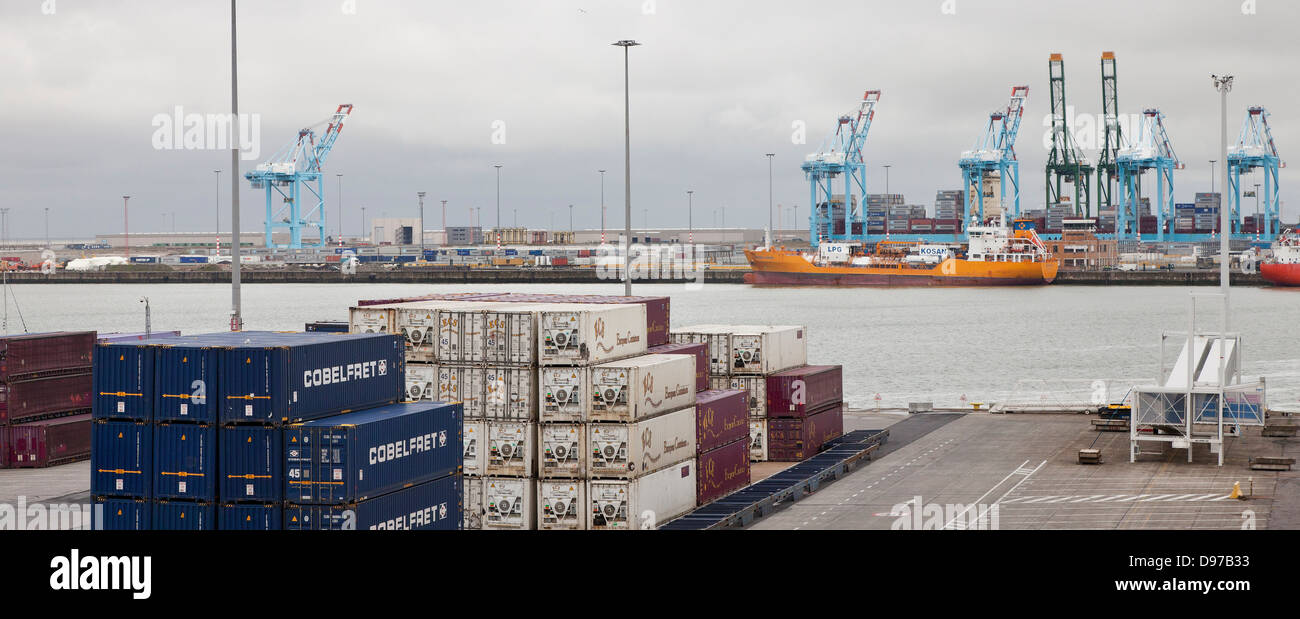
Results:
x,y
994,153
288,171
840,156
1255,149
1066,163
1111,136
1151,151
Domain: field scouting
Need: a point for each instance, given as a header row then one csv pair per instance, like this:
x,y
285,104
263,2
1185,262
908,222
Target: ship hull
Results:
x,y
779,268
1280,274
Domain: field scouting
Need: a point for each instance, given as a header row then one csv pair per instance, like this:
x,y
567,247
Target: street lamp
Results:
x,y
1212,161
444,223
47,221
498,167
1223,85
421,195
770,223
126,224
217,173
364,233
1257,220
602,206
571,223
887,178
627,44
690,224
340,177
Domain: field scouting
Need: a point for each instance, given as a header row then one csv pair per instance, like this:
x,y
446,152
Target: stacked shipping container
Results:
x,y
45,394
805,410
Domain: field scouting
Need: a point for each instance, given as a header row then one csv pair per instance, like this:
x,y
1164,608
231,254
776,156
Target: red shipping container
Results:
x,y
46,443
701,352
46,353
43,397
795,392
722,471
450,296
794,439
4,447
721,417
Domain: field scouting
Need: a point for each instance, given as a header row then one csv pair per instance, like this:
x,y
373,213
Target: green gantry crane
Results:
x,y
1110,141
1066,165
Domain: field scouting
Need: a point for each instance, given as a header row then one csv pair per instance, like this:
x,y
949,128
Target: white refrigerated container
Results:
x,y
718,339
479,333
562,451
644,502
472,510
641,387
579,334
758,440
562,394
462,384
766,350
754,386
509,503
629,450
419,328
474,445
509,393
562,504
376,319
510,449
421,382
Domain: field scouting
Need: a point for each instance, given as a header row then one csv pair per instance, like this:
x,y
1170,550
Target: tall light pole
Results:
x,y
365,233
217,173
1256,214
602,206
516,219
690,222
1223,84
498,167
887,177
770,223
421,195
126,222
444,223
236,304
340,177
47,219
1212,161
570,223
627,44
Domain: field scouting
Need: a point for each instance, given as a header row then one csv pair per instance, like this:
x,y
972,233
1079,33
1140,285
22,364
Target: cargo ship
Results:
x,y
994,256
1283,267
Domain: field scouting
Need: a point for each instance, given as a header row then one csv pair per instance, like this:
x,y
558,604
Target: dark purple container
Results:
x,y
721,418
451,296
46,443
37,398
794,439
46,354
722,471
795,392
701,352
4,447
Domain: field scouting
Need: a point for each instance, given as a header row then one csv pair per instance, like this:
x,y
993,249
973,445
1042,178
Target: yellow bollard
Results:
x,y
1236,491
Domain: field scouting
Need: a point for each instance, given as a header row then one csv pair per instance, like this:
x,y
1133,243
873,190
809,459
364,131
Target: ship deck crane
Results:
x,y
1066,163
1111,137
1255,149
1151,151
994,153
292,169
840,156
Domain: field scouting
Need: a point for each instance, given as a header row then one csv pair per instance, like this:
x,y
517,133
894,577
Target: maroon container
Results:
x,y
4,447
794,392
36,398
794,439
46,354
722,471
721,417
701,352
450,296
46,443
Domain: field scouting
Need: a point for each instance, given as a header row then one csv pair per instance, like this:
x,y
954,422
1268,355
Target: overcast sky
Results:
x,y
715,85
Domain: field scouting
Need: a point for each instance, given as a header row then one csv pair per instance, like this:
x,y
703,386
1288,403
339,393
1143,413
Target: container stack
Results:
x,y
805,408
45,394
190,431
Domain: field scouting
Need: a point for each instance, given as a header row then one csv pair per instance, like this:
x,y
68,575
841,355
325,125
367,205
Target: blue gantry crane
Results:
x,y
1255,149
1151,150
840,155
292,169
994,153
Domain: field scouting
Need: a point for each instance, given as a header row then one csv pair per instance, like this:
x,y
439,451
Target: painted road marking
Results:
x,y
1116,498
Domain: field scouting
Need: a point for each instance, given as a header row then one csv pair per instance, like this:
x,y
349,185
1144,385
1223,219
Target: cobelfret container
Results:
x,y
795,392
573,334
121,459
699,350
250,517
121,514
185,461
717,338
641,387
123,381
327,326
48,442
657,308
721,418
174,515
474,447
722,471
562,451
562,504
511,449
354,456
509,503
630,450
46,354
251,463
421,382
758,440
38,398
754,386
472,510
642,503
301,376
186,381
794,439
563,394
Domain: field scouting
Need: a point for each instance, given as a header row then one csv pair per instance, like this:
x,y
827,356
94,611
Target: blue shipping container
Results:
x,y
123,381
121,459
431,506
185,461
352,457
121,514
183,377
327,326
144,259
184,516
462,252
249,517
251,463
194,259
534,252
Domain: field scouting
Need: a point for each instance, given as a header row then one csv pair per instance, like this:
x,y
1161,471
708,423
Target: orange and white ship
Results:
x,y
1283,267
993,256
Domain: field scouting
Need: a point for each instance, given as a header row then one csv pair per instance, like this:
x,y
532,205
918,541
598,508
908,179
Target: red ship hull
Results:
x,y
773,278
1281,274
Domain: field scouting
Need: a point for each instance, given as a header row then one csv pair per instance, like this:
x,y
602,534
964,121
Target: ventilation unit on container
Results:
x,y
563,394
510,448
562,504
563,449
508,503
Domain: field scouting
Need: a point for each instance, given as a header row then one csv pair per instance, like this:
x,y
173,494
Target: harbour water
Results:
x,y
1050,344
